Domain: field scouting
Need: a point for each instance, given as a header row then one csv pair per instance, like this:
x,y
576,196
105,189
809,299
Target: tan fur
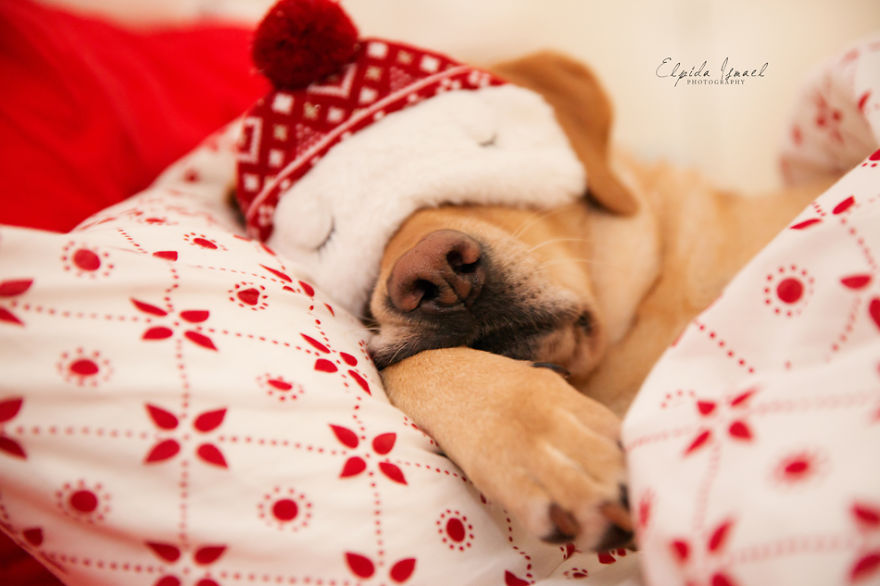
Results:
x,y
588,125
529,439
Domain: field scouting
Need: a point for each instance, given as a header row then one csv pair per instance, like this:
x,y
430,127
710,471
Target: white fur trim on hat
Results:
x,y
497,145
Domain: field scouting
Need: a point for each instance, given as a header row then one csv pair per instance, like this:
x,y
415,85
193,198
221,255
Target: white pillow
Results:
x,y
178,406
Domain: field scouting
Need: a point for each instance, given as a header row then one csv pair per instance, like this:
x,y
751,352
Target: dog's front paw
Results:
x,y
526,438
552,458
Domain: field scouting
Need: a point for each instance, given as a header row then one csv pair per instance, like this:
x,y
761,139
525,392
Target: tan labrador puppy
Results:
x,y
518,339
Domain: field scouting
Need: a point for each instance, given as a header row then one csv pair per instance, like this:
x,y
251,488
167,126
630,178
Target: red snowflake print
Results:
x,y
202,241
576,573
611,556
287,281
155,220
730,415
511,579
804,224
166,254
828,119
84,369
249,295
88,503
167,448
685,553
677,397
277,272
874,159
799,468
860,282
844,205
382,445
841,207
203,555
643,513
163,332
874,311
863,100
285,509
85,261
455,530
787,290
33,536
9,408
866,566
364,567
264,247
324,364
278,387
856,281
9,289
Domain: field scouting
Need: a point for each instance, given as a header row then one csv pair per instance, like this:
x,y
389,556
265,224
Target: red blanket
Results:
x,y
90,113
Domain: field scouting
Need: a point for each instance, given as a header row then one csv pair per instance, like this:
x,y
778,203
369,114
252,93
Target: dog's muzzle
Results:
x,y
447,291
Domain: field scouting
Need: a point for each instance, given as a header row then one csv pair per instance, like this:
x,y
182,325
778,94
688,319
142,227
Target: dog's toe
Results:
x,y
565,525
581,472
602,527
610,523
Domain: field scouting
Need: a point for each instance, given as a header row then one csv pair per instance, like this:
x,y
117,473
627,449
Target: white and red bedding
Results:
x,y
179,406
753,444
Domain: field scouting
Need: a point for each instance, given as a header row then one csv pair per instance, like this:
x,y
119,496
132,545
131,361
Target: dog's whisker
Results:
x,y
394,356
532,221
555,241
587,261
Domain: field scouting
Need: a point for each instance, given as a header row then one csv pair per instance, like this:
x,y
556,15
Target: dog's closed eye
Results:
x,y
561,371
586,322
330,233
489,141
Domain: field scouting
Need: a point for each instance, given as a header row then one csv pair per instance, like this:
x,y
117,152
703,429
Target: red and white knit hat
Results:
x,y
358,134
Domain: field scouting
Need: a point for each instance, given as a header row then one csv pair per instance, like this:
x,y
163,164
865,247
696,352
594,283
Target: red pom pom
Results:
x,y
302,41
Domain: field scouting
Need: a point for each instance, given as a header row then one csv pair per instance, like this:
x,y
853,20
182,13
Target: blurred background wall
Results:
x,y
729,132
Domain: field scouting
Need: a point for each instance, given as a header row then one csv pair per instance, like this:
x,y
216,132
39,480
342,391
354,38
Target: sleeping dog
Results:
x,y
518,338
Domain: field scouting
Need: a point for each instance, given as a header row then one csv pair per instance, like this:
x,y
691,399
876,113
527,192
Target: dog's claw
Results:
x,y
617,514
615,537
624,494
566,527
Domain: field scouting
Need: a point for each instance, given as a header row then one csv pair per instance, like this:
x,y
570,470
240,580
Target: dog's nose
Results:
x,y
444,270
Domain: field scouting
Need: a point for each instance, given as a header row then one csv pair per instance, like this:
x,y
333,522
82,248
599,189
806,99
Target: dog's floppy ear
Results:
x,y
584,113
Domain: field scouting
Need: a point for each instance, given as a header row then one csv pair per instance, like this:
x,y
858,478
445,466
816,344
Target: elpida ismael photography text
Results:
x,y
730,74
